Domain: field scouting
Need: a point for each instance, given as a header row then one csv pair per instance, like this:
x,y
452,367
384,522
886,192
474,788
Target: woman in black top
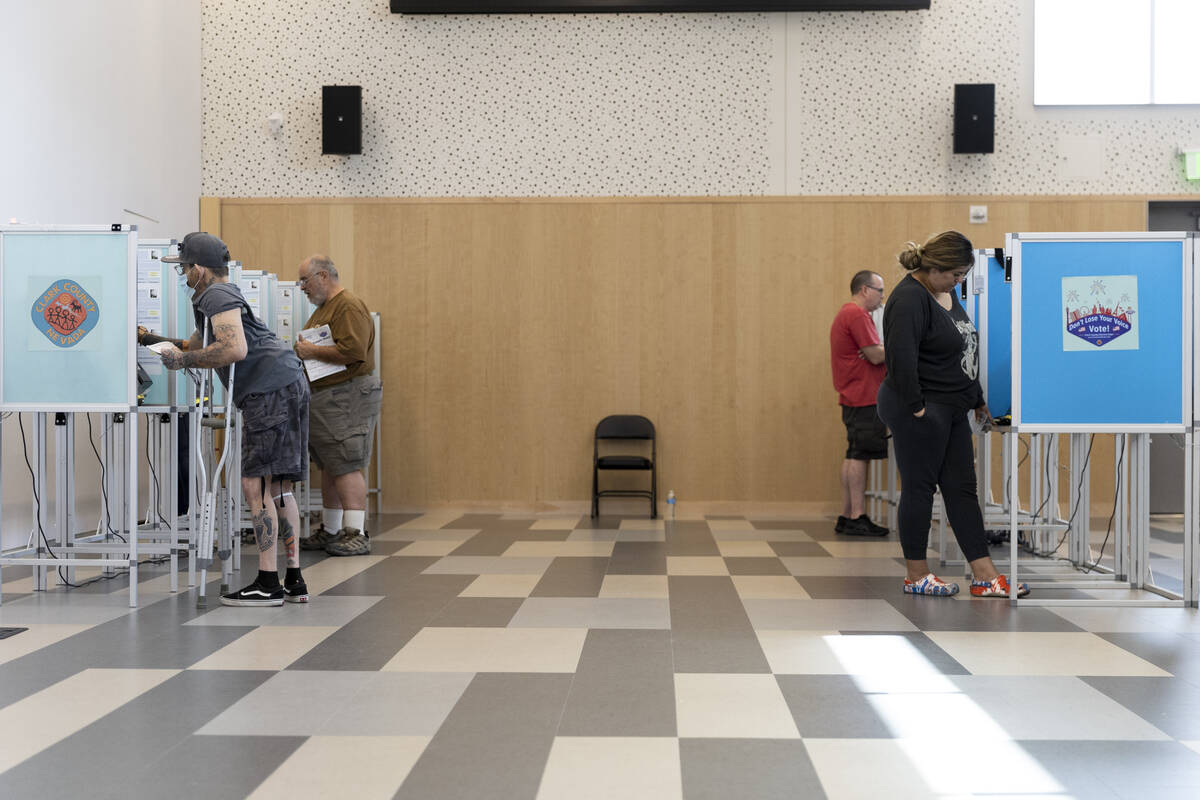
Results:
x,y
932,382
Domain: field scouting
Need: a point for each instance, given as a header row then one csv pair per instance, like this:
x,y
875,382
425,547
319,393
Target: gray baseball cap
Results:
x,y
203,249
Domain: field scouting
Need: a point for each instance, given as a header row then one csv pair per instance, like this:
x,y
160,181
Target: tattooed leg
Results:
x,y
289,520
266,523
264,531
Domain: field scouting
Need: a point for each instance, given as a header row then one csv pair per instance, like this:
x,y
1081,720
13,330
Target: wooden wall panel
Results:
x,y
512,326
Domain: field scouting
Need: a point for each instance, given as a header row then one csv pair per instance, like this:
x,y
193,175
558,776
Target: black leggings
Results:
x,y
934,452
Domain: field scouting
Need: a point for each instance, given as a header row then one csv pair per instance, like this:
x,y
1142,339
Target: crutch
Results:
x,y
208,505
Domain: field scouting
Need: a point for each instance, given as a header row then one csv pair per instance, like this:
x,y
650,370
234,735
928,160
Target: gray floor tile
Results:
x,y
601,522
572,577
477,612
212,767
310,703
748,769
487,565
151,725
691,539
593,612
1130,770
831,707
379,579
486,543
1178,655
491,522
996,614
123,642
372,638
322,610
638,558
759,535
754,565
711,630
624,686
787,524
494,743
1170,704
839,587
823,615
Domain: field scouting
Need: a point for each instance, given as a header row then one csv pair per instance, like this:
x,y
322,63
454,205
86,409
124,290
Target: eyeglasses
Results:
x,y
876,288
304,281
182,268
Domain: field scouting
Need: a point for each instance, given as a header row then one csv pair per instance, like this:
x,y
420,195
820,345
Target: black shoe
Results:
x,y
255,595
862,526
295,592
841,524
879,529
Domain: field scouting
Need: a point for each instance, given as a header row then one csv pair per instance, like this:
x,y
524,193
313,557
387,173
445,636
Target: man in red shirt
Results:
x,y
856,356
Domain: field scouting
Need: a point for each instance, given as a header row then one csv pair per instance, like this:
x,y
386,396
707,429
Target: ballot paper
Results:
x,y
317,369
159,347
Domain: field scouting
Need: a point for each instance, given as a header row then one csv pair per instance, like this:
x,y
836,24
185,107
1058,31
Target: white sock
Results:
x,y
331,518
355,519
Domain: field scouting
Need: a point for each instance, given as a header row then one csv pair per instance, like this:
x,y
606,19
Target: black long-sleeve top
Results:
x,y
931,353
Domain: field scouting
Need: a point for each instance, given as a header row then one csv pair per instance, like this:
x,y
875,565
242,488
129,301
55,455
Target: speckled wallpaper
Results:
x,y
652,104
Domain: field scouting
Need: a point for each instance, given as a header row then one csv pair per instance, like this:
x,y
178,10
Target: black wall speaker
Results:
x,y
974,117
341,120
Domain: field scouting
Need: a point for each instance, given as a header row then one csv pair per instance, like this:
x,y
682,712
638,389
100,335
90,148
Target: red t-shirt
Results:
x,y
856,379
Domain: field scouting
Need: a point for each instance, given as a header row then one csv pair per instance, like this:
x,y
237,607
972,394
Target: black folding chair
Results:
x,y
627,427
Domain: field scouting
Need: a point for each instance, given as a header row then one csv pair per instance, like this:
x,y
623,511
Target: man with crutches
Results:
x,y
271,391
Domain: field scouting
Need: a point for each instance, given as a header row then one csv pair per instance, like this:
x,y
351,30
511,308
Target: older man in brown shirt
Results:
x,y
344,410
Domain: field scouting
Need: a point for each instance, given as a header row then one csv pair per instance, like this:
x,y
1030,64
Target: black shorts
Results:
x,y
866,435
275,433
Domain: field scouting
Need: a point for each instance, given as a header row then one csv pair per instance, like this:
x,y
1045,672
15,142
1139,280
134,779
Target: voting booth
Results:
x,y
1103,343
68,305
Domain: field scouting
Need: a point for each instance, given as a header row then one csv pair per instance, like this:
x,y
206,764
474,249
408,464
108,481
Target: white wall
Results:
x,y
100,112
650,104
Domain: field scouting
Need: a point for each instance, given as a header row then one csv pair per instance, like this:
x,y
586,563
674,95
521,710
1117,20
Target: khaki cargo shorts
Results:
x,y
342,424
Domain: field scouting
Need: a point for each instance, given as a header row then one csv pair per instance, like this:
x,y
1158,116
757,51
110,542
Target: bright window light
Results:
x,y
1092,52
1176,57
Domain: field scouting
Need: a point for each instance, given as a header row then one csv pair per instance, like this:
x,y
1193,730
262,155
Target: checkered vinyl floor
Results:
x,y
520,656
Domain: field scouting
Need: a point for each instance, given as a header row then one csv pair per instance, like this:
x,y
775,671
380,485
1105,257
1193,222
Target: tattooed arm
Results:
x,y
229,345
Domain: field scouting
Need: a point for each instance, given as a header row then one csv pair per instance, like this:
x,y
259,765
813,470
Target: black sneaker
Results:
x,y
879,529
862,526
254,595
840,525
295,592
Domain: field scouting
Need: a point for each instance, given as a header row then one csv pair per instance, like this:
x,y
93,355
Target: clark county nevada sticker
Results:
x,y
1100,313
65,313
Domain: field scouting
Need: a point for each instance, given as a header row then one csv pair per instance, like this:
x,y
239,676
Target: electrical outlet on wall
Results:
x,y
977,214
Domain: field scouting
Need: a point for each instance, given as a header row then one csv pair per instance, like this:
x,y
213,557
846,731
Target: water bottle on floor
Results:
x,y
671,503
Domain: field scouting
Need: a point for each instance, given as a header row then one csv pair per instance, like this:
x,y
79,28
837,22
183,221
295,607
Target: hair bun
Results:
x,y
910,257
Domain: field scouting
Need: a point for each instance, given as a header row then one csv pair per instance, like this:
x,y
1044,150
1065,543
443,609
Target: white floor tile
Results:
x,y
34,723
744,549
768,587
491,650
267,648
640,768
696,565
328,766
37,637
501,586
732,706
559,549
634,586
1021,653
